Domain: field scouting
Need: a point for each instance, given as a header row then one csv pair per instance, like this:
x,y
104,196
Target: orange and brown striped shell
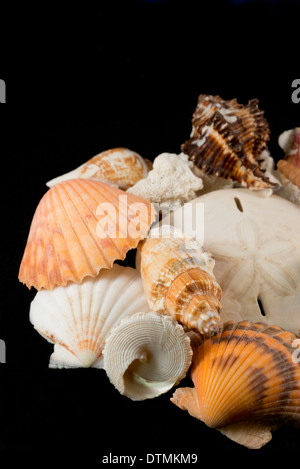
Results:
x,y
227,140
248,375
178,280
71,238
290,165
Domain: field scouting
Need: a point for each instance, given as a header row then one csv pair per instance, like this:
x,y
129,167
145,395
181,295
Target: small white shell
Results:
x,y
146,355
77,318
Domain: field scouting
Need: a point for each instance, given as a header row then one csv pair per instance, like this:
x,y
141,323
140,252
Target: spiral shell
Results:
x,y
146,355
245,377
118,166
178,279
227,139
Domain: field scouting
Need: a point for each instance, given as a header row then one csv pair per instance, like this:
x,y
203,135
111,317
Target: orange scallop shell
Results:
x,y
248,374
67,240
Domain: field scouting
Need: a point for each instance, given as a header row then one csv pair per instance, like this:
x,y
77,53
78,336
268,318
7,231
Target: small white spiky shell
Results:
x,y
77,318
146,355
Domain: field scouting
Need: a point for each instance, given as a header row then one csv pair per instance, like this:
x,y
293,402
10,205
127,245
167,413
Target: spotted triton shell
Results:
x,y
247,379
227,140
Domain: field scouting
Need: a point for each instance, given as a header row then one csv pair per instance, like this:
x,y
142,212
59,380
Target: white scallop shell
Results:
x,y
77,318
146,355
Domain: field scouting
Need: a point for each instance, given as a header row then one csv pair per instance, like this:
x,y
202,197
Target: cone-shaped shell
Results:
x,y
146,355
289,167
80,227
227,139
119,166
78,318
178,279
248,374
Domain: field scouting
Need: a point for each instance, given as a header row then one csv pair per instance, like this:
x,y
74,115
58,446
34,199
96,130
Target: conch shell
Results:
x,y
78,318
247,382
80,227
118,166
289,167
146,355
178,279
227,140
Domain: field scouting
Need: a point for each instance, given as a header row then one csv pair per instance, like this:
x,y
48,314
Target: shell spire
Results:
x,y
246,381
227,140
178,279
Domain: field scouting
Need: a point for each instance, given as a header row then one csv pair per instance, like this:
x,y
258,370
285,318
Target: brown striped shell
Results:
x,y
289,167
178,280
227,140
247,379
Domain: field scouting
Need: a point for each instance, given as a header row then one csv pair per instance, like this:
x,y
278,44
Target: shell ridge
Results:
x,y
94,216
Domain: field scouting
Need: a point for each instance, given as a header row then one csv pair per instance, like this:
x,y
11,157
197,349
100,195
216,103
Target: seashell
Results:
x,y
289,167
78,318
227,140
80,227
178,279
255,243
247,382
119,166
146,355
171,182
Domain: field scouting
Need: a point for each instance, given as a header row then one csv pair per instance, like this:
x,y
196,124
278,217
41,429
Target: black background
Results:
x,y
82,80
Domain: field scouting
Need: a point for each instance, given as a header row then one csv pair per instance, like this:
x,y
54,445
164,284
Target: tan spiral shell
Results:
x,y
178,279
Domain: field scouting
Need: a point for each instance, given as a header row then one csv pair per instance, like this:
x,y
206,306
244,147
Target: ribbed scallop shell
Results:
x,y
69,239
146,355
249,375
178,279
289,167
227,139
78,318
119,166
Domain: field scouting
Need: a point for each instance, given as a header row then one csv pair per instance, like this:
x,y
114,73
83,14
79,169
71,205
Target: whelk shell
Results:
x,y
146,355
255,244
119,166
227,140
78,318
69,239
178,279
246,382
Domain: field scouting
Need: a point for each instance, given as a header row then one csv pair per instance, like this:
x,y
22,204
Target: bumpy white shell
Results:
x,y
146,355
170,183
255,243
77,318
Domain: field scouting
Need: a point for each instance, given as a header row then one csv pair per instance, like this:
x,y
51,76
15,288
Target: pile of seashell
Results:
x,y
225,309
